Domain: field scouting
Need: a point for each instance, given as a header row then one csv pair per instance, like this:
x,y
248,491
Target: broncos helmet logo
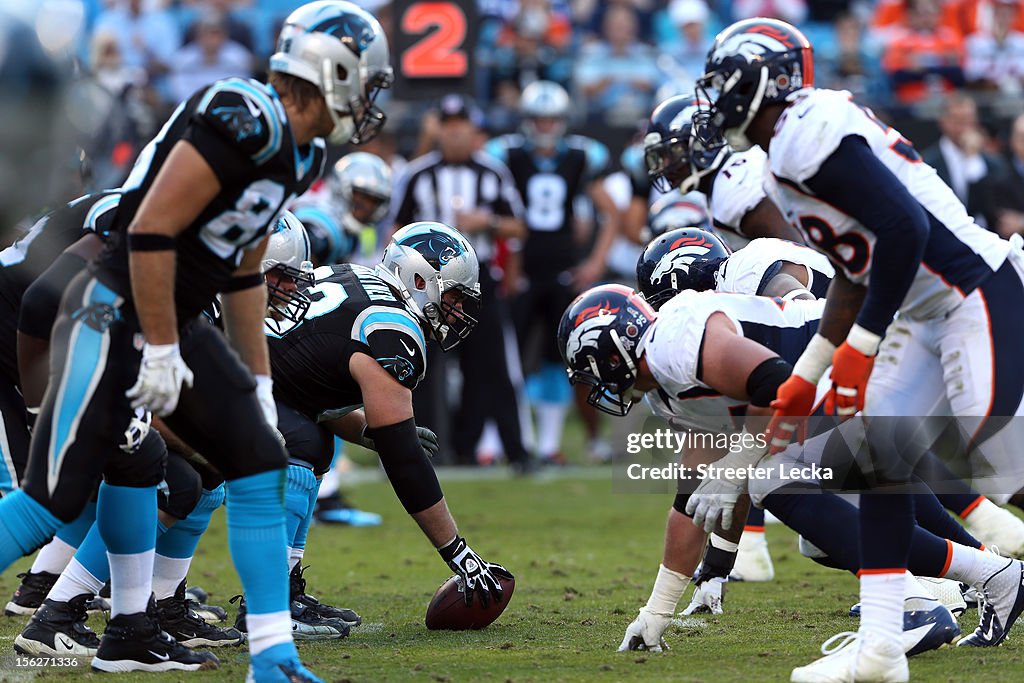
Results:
x,y
437,247
240,121
350,29
587,329
683,252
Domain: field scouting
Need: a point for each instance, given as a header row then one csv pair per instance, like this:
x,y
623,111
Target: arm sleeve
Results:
x,y
847,179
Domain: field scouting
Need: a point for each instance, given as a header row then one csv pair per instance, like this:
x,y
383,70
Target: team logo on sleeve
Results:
x,y
242,121
683,252
400,368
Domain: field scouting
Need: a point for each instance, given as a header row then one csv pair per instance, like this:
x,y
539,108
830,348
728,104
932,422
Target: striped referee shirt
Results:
x,y
431,189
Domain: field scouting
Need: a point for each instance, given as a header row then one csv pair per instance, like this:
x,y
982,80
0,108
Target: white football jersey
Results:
x,y
738,188
749,269
959,254
672,349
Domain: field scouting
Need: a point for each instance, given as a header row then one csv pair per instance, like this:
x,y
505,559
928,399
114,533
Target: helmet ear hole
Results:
x,y
340,72
420,282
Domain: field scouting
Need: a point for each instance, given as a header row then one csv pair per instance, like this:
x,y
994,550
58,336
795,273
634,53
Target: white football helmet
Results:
x,y
370,175
544,99
423,262
288,253
341,49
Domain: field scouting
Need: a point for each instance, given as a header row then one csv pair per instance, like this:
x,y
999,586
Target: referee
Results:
x,y
461,186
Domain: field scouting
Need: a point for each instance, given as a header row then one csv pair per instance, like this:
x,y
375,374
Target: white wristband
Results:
x,y
668,588
815,359
264,383
863,340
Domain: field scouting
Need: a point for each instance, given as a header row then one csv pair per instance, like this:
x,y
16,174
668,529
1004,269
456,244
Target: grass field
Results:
x,y
584,559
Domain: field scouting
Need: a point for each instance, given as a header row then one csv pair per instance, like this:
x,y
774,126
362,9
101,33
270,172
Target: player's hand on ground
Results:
x,y
794,401
161,374
850,372
707,597
479,577
645,633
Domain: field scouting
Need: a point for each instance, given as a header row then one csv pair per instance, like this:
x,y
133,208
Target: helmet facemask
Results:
x,y
614,398
666,157
456,316
286,303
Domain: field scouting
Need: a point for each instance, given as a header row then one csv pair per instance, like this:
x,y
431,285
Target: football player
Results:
x,y
724,351
348,369
902,242
192,222
552,170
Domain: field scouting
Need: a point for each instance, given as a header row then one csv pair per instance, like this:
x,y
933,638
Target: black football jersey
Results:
x,y
240,129
352,311
25,260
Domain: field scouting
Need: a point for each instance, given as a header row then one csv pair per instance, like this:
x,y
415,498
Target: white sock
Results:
x,y
267,630
550,423
295,557
668,588
330,484
971,565
53,557
131,582
74,580
881,604
168,573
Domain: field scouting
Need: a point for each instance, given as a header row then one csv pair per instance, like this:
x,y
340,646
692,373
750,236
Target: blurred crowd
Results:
x,y
948,73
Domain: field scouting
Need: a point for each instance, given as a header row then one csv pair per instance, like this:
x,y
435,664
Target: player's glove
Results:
x,y
851,368
645,633
428,440
161,374
477,576
707,597
794,399
715,498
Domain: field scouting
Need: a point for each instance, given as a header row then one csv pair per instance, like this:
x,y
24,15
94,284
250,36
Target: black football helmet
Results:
x,y
600,337
687,258
672,158
752,63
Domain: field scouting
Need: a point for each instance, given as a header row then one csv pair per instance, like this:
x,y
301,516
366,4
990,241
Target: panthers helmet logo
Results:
x,y
437,247
350,29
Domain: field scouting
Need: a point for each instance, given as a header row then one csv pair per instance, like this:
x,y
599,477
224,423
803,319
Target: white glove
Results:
x,y
645,633
161,374
707,597
715,497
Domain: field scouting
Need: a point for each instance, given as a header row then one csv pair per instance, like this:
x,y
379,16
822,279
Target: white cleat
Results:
x,y
1001,602
996,526
946,591
753,562
856,658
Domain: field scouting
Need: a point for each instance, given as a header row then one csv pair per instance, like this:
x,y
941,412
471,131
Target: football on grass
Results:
x,y
448,611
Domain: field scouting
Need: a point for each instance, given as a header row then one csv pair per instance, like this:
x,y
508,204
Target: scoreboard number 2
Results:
x,y
440,51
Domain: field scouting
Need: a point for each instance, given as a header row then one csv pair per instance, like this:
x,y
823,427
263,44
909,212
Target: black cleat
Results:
x,y
30,594
297,588
306,623
134,642
178,619
58,629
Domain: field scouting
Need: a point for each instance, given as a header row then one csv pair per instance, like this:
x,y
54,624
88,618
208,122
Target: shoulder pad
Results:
x,y
498,147
811,130
738,188
395,340
101,215
246,114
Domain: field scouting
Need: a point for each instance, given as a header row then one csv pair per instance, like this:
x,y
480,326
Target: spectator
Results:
x,y
922,57
690,48
1007,195
995,56
238,31
617,75
959,160
974,16
846,64
211,57
590,15
108,67
147,36
462,186
532,45
793,11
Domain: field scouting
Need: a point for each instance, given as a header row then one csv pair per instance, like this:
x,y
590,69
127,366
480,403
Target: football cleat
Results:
x,y
753,562
851,657
928,629
135,642
178,619
58,629
279,664
34,588
297,588
947,592
212,613
1001,600
336,510
306,623
995,526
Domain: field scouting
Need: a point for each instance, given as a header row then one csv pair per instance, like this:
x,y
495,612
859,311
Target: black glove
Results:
x,y
428,440
477,575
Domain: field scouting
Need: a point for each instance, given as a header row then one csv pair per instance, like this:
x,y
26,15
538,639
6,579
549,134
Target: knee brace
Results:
x,y
184,488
